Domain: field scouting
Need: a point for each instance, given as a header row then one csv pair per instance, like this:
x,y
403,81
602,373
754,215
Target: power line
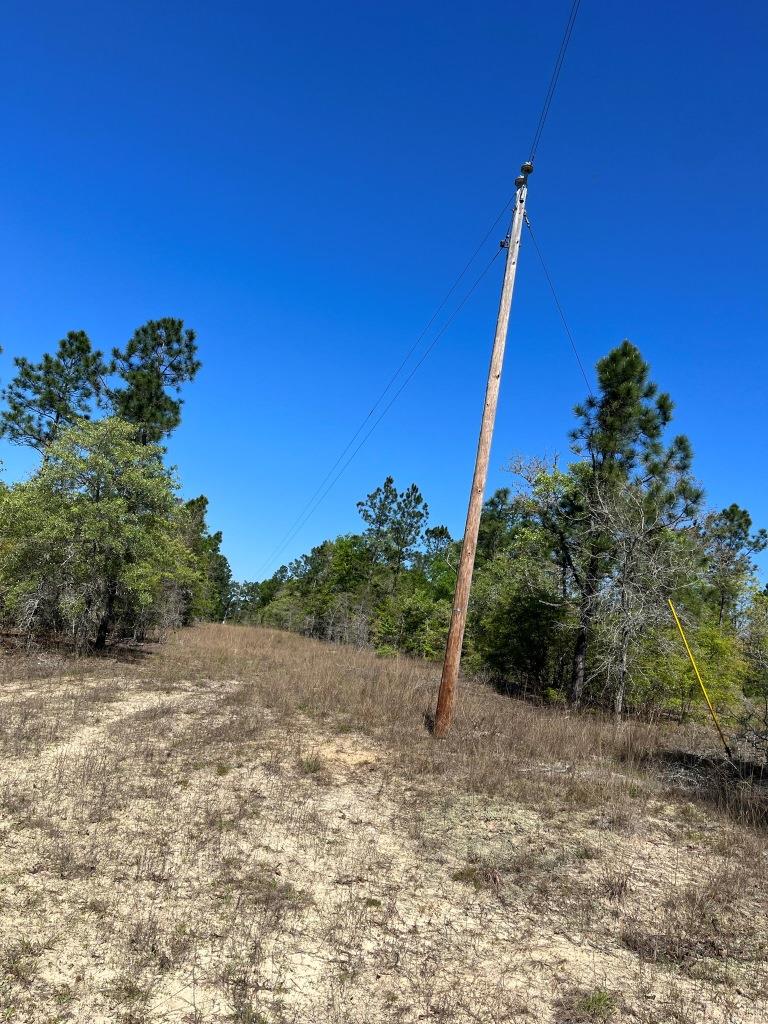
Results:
x,y
390,383
555,76
319,493
558,304
316,502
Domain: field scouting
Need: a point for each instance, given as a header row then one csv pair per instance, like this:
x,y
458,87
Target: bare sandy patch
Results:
x,y
193,840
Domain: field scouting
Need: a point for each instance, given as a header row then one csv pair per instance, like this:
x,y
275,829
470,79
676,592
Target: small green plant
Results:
x,y
587,1007
582,852
310,764
482,875
19,960
553,696
242,985
128,990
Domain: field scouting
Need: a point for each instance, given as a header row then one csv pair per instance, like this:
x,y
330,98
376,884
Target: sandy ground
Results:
x,y
175,851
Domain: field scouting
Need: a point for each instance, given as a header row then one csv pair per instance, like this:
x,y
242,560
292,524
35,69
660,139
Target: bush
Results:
x,y
91,546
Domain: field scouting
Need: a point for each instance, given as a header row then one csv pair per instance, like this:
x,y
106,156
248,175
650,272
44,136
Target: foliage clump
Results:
x,y
574,567
575,563
97,544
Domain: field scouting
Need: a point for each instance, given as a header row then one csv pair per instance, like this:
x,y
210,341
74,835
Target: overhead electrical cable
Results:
x,y
558,304
319,497
322,490
554,77
390,383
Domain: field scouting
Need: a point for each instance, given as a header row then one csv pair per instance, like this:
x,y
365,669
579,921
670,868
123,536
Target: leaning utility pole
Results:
x,y
446,697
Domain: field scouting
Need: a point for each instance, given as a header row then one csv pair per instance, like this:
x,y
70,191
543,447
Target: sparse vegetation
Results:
x,y
168,853
235,799
574,567
586,1007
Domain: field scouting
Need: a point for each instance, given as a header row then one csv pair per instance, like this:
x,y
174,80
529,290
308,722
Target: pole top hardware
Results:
x,y
525,170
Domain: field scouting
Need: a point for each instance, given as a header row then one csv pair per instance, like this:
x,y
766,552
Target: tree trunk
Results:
x,y
621,686
107,618
588,591
579,657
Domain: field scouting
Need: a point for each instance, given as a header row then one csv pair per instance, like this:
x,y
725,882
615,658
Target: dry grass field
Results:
x,y
244,825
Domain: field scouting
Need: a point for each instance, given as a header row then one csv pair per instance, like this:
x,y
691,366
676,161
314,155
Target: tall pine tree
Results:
x,y
159,358
46,397
620,437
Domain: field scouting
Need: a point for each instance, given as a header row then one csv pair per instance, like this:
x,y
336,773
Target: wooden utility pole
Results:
x,y
446,697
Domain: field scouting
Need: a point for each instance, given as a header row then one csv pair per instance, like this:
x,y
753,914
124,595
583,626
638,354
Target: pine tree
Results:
x,y
729,547
395,520
46,397
620,436
500,514
91,546
215,596
161,356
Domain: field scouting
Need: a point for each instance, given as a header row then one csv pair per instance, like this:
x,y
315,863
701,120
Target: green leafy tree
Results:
x,y
158,359
395,521
436,564
516,619
390,586
214,599
412,621
667,681
251,599
331,585
620,436
46,397
92,545
501,512
609,515
754,711
729,547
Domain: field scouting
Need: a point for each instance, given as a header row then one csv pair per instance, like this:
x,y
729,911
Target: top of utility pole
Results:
x,y
522,177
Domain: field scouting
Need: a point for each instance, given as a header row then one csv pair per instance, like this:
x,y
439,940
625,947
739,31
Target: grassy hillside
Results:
x,y
244,825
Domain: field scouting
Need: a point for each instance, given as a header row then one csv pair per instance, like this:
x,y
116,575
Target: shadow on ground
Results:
x,y
737,787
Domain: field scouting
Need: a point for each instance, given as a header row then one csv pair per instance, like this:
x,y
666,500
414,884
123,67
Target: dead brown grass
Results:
x,y
245,825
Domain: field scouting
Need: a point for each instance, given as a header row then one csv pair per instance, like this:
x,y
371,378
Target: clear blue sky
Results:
x,y
301,182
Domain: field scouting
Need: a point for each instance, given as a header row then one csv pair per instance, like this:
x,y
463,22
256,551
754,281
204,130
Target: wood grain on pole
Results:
x,y
446,697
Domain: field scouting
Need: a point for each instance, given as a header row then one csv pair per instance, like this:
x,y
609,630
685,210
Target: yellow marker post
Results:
x,y
701,681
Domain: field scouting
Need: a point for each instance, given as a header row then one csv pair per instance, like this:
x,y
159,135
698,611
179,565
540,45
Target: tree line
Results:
x,y
575,560
98,545
574,566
